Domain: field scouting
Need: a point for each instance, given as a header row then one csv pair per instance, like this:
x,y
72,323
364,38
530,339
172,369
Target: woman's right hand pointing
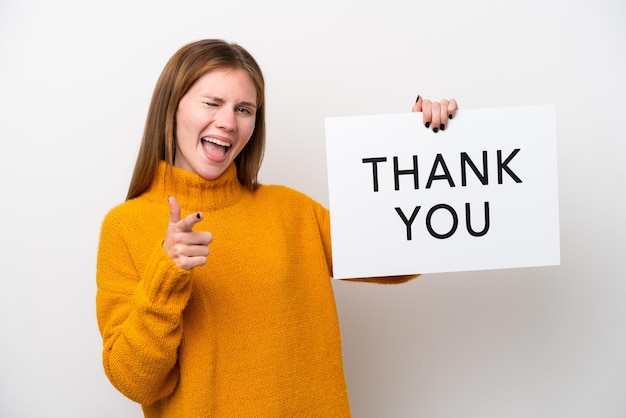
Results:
x,y
186,247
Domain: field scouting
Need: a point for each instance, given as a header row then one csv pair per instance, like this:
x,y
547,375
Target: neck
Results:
x,y
193,191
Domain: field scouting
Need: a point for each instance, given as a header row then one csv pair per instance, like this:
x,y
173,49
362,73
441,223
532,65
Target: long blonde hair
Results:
x,y
185,67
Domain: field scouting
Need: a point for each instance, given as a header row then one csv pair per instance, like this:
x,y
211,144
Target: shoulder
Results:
x,y
133,212
294,210
122,210
286,195
292,205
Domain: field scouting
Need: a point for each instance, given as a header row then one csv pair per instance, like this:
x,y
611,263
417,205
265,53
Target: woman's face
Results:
x,y
214,121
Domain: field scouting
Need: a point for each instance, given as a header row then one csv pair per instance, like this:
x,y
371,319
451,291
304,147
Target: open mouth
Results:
x,y
215,147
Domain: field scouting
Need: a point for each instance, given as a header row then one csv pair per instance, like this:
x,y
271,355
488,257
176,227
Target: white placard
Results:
x,y
483,194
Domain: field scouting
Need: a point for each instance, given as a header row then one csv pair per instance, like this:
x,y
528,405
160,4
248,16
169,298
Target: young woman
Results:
x,y
252,328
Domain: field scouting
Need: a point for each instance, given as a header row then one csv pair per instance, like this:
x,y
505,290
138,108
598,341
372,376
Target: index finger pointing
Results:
x,y
186,224
174,209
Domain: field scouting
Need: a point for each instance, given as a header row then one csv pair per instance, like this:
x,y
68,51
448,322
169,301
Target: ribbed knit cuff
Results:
x,y
165,283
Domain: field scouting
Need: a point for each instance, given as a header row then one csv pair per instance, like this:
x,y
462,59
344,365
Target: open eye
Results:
x,y
244,110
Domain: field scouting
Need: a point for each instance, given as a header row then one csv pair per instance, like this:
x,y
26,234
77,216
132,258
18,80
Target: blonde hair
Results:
x,y
183,69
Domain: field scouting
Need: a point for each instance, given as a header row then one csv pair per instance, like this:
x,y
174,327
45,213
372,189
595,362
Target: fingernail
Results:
x,y
418,98
450,116
442,126
168,198
427,125
198,215
435,130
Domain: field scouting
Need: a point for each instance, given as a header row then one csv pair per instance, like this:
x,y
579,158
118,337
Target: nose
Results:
x,y
225,119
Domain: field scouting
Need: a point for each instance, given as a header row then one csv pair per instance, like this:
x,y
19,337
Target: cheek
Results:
x,y
189,119
183,124
249,130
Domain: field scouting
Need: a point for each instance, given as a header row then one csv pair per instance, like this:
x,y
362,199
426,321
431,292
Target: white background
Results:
x,y
75,81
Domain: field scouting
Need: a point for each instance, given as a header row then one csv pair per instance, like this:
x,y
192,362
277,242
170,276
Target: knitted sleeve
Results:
x,y
139,313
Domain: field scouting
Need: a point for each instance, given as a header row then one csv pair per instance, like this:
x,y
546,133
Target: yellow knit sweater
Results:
x,y
253,333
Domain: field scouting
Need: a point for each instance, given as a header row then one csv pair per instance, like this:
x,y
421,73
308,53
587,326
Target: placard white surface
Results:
x,y
483,194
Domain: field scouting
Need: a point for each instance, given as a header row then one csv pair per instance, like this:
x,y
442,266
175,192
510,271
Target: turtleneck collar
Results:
x,y
193,191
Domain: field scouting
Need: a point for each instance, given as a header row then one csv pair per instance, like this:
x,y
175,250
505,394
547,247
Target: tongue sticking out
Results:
x,y
214,150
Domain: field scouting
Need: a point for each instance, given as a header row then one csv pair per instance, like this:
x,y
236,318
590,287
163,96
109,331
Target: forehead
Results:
x,y
226,81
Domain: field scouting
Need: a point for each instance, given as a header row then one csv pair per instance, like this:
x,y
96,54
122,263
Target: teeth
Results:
x,y
216,141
